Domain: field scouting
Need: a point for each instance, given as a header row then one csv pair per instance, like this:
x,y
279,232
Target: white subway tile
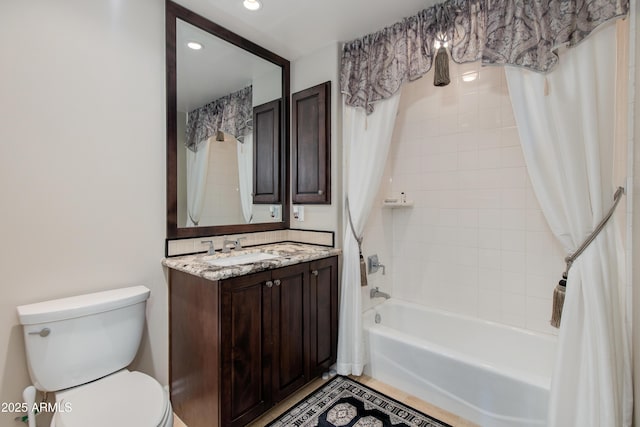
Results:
x,y
490,118
468,218
490,305
541,286
489,279
509,137
513,240
487,138
468,160
511,157
514,198
490,258
490,218
489,238
514,219
514,177
514,283
513,261
489,158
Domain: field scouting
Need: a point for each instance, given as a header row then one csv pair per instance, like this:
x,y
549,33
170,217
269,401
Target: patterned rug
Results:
x,y
343,402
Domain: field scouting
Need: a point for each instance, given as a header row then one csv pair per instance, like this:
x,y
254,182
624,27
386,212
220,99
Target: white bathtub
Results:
x,y
490,374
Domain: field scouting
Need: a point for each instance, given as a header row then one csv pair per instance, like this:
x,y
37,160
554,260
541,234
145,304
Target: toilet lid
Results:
x,y
121,399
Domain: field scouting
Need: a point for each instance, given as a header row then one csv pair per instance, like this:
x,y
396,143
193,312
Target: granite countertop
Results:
x,y
287,254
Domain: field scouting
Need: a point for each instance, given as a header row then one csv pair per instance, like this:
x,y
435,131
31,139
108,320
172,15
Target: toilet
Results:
x,y
79,348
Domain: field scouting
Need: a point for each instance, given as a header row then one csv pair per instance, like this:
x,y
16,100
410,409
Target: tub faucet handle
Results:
x,y
375,265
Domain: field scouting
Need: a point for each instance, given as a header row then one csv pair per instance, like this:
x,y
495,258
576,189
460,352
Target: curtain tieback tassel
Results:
x,y
558,301
441,75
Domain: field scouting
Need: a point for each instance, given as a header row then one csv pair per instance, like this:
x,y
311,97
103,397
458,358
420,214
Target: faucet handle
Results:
x,y
238,243
212,249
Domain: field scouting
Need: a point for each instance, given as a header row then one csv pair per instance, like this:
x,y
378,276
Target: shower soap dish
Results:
x,y
396,203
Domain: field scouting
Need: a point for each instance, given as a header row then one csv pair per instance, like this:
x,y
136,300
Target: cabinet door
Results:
x,y
311,145
266,153
246,335
290,323
323,314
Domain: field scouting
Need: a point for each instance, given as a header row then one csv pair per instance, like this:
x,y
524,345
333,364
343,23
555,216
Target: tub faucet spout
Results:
x,y
375,293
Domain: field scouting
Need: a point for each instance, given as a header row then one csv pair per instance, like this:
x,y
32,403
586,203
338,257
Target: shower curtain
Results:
x,y
197,168
245,175
366,143
568,140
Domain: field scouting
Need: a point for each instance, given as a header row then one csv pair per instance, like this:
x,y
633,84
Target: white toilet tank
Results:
x,y
72,341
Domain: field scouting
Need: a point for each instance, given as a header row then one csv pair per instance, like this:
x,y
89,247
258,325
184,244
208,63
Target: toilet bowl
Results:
x,y
121,399
79,348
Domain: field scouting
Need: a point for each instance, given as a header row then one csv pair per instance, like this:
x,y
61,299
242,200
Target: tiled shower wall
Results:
x,y
475,241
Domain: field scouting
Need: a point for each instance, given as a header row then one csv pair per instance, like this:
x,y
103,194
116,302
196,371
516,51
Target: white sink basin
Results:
x,y
241,259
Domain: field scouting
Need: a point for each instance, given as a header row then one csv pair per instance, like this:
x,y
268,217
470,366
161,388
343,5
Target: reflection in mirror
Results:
x,y
215,79
218,85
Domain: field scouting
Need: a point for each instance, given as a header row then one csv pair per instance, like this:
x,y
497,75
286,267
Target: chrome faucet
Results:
x,y
375,293
225,245
236,244
212,249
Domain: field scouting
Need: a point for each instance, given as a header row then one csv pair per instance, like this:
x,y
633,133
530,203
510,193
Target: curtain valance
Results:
x,y
523,33
230,114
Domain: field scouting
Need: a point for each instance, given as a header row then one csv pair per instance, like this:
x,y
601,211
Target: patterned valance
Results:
x,y
523,33
230,114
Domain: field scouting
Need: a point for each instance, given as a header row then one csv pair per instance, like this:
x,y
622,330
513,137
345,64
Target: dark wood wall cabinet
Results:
x,y
311,145
268,165
239,346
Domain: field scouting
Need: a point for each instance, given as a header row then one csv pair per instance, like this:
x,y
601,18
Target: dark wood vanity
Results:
x,y
241,342
240,345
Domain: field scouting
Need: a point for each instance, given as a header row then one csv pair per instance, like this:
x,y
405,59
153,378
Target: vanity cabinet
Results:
x,y
241,345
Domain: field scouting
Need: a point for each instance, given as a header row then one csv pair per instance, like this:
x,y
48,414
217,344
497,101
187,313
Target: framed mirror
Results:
x,y
218,83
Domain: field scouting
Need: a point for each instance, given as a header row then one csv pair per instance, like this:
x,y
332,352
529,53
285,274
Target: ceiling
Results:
x,y
295,28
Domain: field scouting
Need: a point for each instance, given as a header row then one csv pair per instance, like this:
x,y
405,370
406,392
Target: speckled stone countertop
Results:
x,y
287,254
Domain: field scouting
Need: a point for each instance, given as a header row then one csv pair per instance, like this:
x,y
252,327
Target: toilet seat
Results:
x,y
122,399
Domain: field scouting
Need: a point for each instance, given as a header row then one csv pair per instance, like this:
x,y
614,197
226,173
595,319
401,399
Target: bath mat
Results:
x,y
343,402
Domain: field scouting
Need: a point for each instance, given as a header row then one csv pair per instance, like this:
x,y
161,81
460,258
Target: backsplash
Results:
x,y
475,241
195,245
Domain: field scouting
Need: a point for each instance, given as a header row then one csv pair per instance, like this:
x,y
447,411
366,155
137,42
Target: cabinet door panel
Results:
x,y
266,153
290,329
324,314
244,340
311,145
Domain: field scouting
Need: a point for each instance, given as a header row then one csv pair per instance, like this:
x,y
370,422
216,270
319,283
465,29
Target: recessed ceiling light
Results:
x,y
194,45
252,4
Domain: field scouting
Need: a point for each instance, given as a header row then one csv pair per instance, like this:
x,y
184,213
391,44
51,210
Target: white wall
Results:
x,y
306,72
82,164
476,241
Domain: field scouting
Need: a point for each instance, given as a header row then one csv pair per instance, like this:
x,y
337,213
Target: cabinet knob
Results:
x,y
320,192
314,272
269,283
277,282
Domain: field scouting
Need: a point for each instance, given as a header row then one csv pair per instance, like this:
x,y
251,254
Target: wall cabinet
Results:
x,y
311,145
241,345
267,168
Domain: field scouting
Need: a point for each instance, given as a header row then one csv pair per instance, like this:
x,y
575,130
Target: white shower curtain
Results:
x,y
197,168
366,145
245,175
568,142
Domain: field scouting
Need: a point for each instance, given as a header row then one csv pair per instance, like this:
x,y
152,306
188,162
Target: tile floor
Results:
x,y
370,382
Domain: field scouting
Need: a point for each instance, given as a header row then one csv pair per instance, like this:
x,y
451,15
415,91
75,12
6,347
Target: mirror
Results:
x,y
212,95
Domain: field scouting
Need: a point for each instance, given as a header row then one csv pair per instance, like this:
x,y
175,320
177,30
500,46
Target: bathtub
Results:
x,y
490,374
